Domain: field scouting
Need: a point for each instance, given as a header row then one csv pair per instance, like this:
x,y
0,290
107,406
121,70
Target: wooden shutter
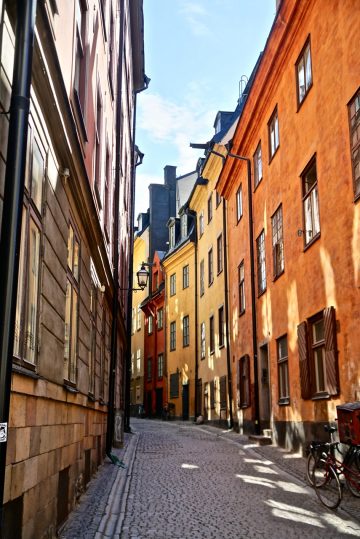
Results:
x,y
238,374
247,380
331,353
244,378
304,362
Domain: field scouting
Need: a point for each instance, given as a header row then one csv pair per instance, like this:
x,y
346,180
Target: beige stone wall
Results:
x,y
49,432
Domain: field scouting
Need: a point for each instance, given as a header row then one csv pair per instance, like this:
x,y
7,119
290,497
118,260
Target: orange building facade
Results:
x,y
295,272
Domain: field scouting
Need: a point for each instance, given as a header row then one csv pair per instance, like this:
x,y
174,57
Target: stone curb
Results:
x,y
111,522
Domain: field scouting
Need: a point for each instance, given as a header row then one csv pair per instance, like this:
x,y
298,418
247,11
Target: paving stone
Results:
x,y
185,481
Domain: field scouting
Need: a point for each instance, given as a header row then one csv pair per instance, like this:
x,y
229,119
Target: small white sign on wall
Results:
x,y
3,432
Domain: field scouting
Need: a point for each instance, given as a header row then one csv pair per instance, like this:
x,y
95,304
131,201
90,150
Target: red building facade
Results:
x,y
155,391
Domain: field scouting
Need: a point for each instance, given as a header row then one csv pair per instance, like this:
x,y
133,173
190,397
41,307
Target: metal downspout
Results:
x,y
226,293
115,302
253,299
196,322
12,213
127,427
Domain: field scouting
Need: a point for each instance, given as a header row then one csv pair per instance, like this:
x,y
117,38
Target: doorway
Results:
x,y
265,396
185,402
148,404
159,401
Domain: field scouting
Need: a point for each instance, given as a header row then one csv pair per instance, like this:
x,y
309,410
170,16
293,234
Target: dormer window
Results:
x,y
172,235
183,223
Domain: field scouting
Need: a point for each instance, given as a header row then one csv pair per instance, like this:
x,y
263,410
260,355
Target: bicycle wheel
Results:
x,y
352,478
327,484
310,464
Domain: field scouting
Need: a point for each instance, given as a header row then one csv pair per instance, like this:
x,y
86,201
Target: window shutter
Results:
x,y
247,380
331,353
304,361
238,374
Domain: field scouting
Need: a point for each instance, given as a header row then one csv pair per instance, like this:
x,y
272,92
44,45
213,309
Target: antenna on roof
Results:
x,y
242,85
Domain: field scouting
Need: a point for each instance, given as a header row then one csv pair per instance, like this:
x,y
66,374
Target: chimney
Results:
x,y
170,176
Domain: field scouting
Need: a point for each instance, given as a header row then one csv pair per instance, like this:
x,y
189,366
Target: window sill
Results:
x,y
311,242
91,397
276,277
273,155
186,345
321,396
102,402
257,185
261,293
69,386
241,313
30,372
219,272
356,198
300,103
238,220
221,346
285,401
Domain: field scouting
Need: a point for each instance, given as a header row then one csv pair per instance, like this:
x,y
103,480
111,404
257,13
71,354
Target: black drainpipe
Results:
x,y
134,164
115,299
226,293
194,216
12,213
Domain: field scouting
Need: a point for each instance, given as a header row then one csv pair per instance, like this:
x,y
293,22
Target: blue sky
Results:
x,y
196,52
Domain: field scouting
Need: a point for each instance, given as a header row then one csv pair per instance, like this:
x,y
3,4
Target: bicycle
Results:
x,y
316,449
328,470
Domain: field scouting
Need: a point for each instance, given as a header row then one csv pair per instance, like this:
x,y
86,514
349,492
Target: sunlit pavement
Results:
x,y
184,481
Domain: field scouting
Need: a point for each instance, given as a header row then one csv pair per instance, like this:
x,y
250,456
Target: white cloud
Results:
x,y
194,15
177,124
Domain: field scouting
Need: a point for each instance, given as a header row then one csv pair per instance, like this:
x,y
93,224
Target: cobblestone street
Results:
x,y
189,482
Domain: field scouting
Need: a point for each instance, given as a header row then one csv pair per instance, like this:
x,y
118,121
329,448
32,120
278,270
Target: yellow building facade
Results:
x,y
179,266
141,248
213,401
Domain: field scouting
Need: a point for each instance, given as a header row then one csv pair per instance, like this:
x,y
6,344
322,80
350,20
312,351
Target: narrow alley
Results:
x,y
184,481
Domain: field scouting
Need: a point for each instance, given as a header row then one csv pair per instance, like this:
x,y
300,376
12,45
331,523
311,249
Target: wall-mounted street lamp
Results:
x,y
142,278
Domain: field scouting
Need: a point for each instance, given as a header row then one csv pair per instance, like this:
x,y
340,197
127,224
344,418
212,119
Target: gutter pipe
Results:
x,y
115,299
12,214
226,291
134,149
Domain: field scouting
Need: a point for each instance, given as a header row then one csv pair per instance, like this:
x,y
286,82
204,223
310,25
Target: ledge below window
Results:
x,y
69,387
26,372
320,396
284,401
